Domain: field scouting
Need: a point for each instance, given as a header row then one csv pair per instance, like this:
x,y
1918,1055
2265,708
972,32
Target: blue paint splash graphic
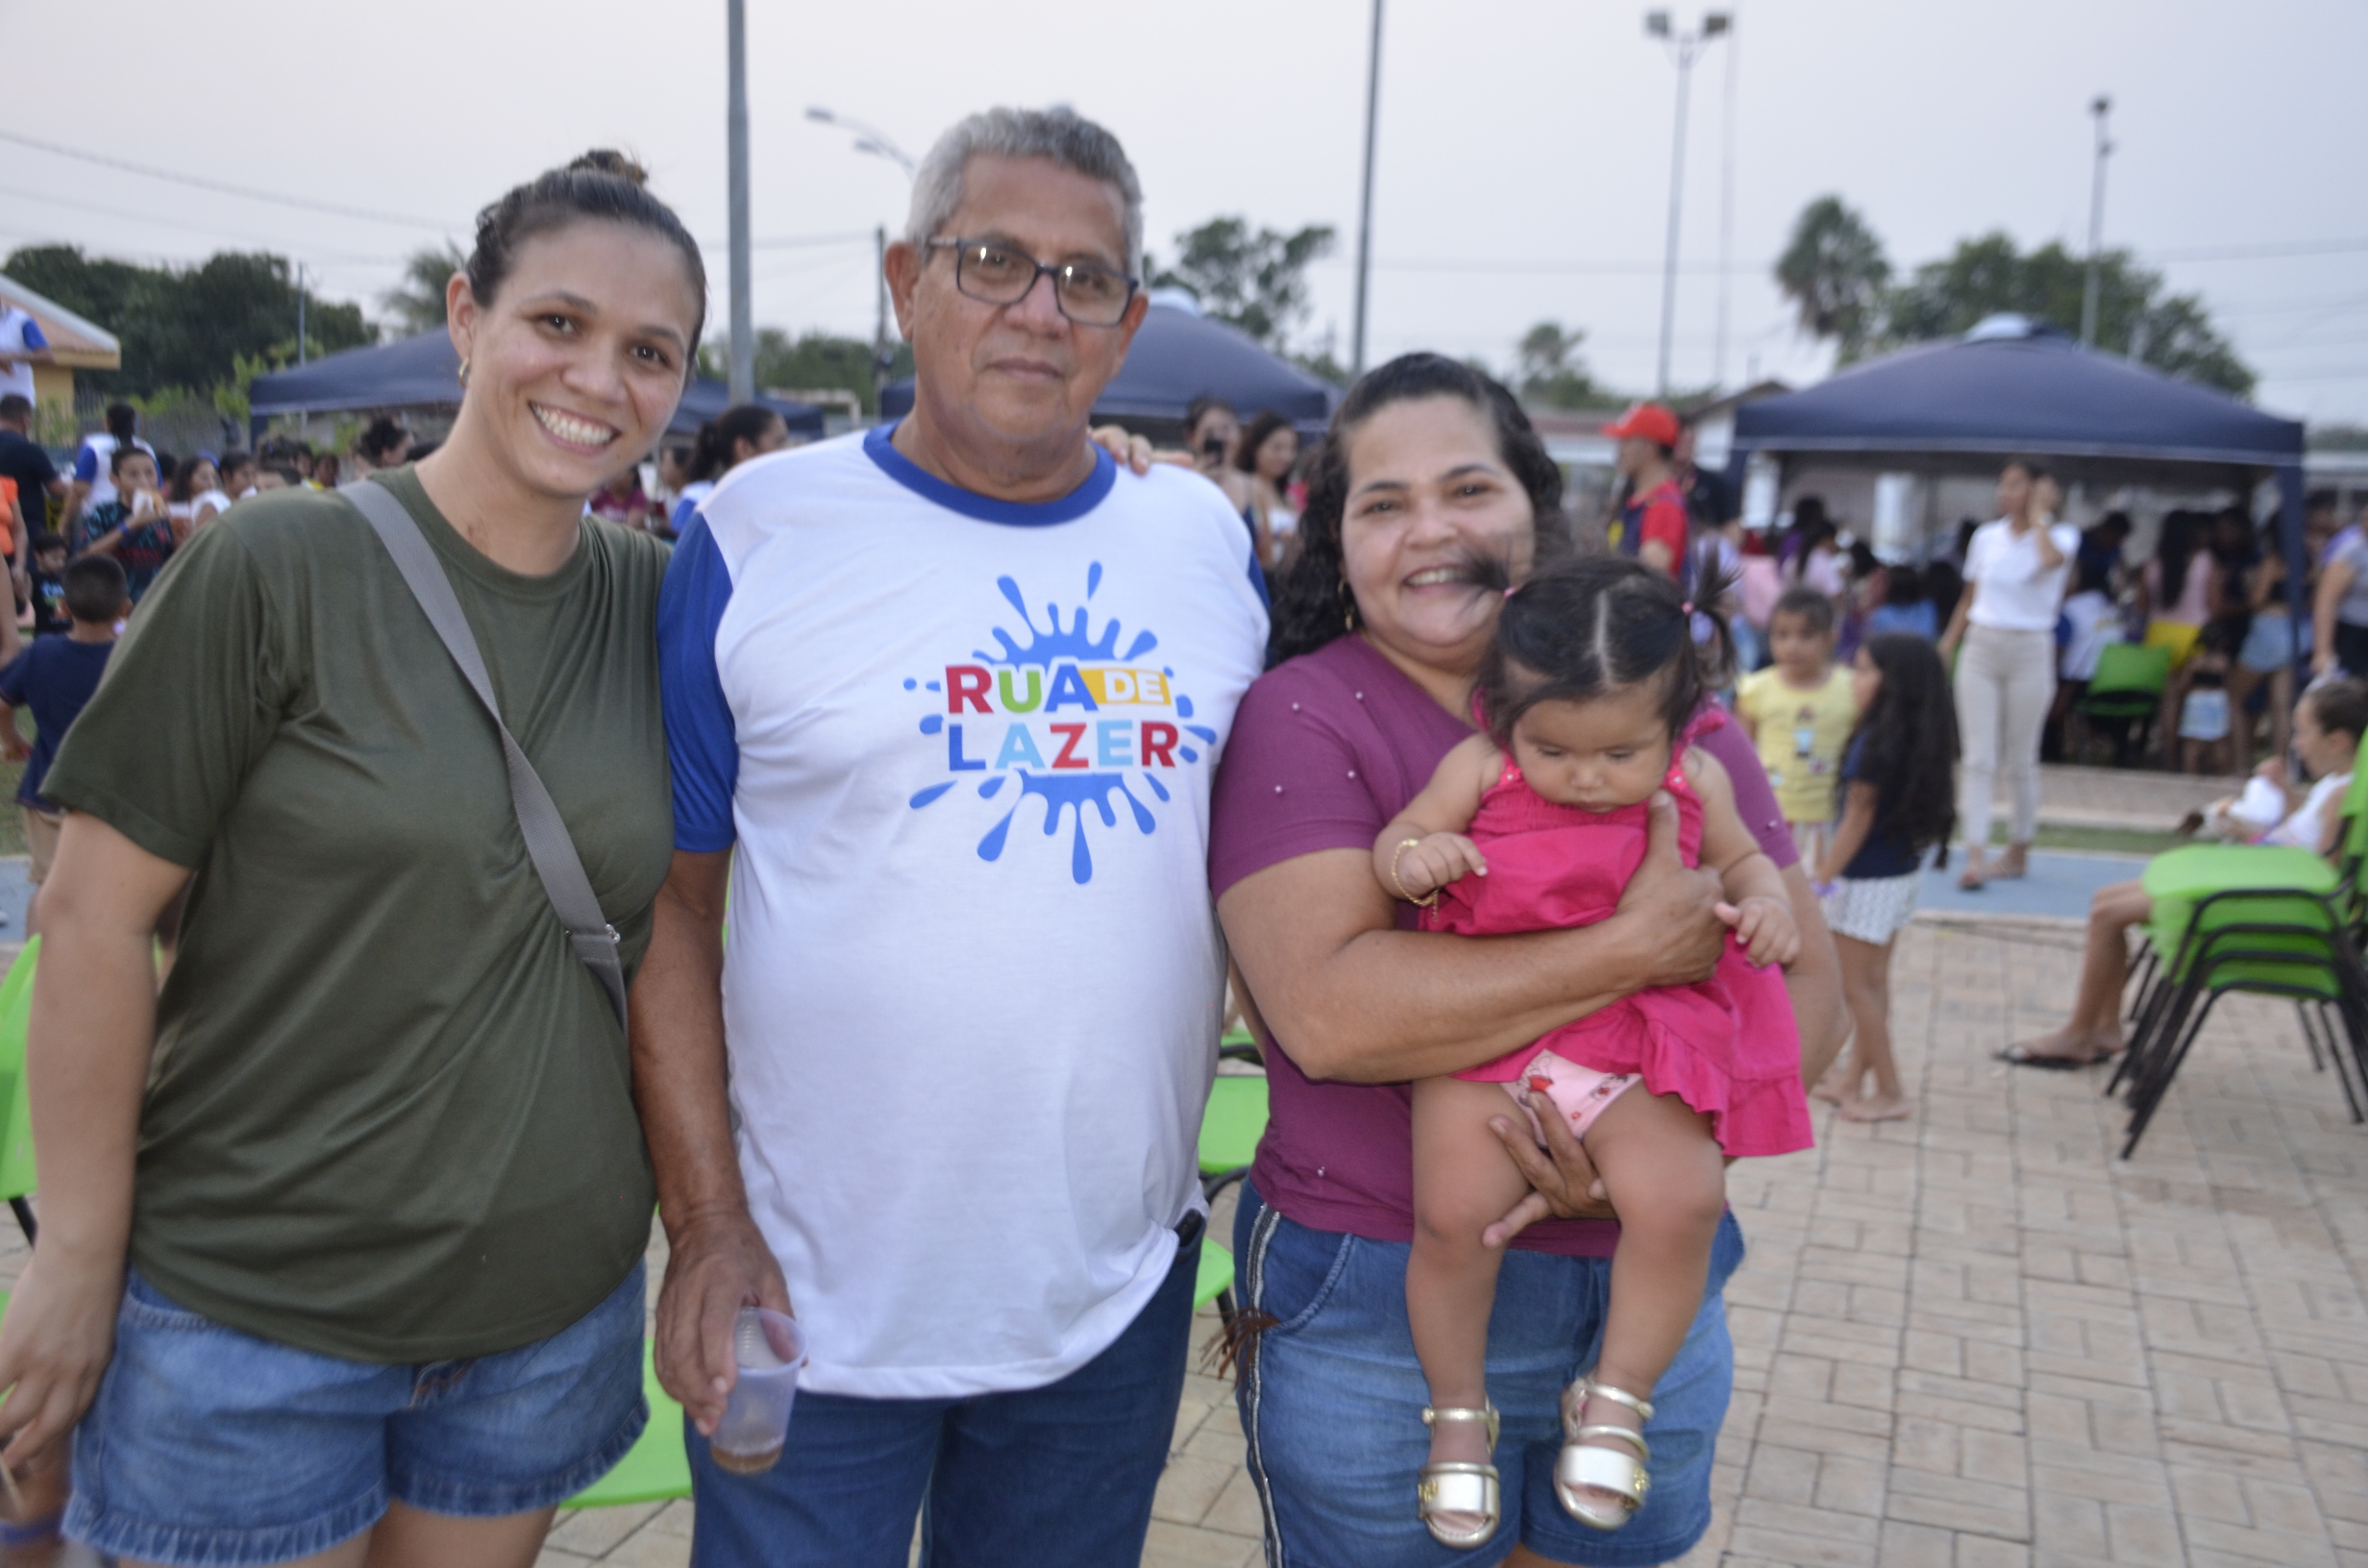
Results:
x,y
1067,793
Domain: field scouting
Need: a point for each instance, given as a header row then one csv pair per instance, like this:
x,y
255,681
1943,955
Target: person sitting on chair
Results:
x,y
2326,733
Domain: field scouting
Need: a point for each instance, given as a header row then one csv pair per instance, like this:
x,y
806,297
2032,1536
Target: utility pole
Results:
x,y
1726,214
1686,46
881,357
1364,203
743,373
2100,110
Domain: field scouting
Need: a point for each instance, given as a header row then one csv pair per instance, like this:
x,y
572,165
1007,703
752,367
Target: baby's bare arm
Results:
x,y
1763,921
1424,847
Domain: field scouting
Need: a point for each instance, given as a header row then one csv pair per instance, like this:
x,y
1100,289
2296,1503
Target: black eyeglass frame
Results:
x,y
960,243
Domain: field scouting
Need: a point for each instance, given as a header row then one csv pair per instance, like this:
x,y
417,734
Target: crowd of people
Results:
x,y
1547,877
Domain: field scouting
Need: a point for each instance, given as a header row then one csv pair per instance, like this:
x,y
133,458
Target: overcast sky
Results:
x,y
1524,144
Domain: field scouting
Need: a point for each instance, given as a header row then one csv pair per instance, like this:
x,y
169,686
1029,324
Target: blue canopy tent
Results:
x,y
1179,355
423,372
2012,385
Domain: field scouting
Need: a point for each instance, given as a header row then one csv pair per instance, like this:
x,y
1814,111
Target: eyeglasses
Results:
x,y
993,274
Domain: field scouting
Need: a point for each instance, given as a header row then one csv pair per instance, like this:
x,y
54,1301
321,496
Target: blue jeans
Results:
x,y
212,1448
1332,1399
1057,1477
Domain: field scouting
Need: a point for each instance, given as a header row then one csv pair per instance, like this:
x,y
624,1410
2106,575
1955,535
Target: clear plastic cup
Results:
x,y
769,1350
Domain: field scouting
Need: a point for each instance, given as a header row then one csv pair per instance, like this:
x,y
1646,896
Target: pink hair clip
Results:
x,y
1515,589
1686,606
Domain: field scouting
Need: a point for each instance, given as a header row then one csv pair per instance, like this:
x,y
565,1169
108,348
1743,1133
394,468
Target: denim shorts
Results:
x,y
211,1448
1332,1401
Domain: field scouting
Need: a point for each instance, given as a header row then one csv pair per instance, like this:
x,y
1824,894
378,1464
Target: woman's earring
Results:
x,y
465,375
1348,618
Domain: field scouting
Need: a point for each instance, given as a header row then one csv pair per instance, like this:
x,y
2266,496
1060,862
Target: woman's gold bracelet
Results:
x,y
1427,899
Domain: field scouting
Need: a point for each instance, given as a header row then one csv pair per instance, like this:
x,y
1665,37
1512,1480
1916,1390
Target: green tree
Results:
x,y
2135,315
1552,374
1255,281
416,304
2337,438
811,361
188,327
1834,271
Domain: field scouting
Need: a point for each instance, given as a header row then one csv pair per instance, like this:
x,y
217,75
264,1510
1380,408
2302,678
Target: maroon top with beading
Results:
x,y
1325,749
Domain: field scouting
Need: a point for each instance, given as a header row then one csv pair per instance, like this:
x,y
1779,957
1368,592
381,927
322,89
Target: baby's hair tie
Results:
x,y
1687,605
1515,589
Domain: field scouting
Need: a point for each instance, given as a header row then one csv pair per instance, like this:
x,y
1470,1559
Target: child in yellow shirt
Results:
x,y
1799,712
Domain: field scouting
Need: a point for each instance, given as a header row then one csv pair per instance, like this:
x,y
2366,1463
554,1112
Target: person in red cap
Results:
x,y
1652,520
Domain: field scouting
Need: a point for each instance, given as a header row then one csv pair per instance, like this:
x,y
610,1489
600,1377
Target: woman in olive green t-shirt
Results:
x,y
355,1207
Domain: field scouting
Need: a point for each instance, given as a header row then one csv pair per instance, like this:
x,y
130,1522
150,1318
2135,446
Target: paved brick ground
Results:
x,y
1976,1339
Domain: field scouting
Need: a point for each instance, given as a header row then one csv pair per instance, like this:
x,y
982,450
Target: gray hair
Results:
x,y
1060,135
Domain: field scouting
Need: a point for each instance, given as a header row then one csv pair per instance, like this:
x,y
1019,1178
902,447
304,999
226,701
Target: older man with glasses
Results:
x,y
952,691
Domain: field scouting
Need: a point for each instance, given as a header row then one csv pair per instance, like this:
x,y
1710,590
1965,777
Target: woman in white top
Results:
x,y
1270,449
197,497
2015,579
2326,734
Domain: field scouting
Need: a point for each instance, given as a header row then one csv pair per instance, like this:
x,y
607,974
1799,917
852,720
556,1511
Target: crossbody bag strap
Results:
x,y
548,844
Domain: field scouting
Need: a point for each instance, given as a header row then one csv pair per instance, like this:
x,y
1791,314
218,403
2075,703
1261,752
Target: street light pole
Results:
x,y
1365,201
2100,109
742,372
1686,46
1726,211
872,140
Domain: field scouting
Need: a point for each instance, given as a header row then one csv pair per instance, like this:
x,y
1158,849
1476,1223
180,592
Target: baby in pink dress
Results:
x,y
1538,824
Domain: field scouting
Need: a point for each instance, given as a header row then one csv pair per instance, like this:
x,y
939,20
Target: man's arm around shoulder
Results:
x,y
717,1260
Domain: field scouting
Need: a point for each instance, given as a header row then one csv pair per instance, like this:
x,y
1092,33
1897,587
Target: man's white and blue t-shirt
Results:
x,y
973,984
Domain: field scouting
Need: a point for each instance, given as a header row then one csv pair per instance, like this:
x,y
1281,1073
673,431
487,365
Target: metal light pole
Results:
x,y
1726,210
1684,47
2101,109
870,139
1364,203
743,373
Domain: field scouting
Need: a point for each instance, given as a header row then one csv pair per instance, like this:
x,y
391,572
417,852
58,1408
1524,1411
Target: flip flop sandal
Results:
x,y
2022,1058
1584,1472
1453,1490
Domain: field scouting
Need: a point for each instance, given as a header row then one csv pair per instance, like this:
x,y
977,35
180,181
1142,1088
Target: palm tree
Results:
x,y
1834,273
416,304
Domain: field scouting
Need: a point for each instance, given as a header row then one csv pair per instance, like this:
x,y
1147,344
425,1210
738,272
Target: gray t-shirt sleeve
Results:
x,y
191,697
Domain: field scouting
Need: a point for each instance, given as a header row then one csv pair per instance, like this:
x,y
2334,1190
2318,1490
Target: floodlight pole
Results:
x,y
1685,46
742,379
1365,201
2100,110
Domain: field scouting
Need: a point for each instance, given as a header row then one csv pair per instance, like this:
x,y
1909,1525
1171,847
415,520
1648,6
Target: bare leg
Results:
x,y
2094,1029
1462,1182
1667,1178
1867,985
408,1537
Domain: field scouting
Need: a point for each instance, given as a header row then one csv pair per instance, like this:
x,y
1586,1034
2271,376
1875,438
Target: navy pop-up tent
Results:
x,y
423,372
2012,386
1179,355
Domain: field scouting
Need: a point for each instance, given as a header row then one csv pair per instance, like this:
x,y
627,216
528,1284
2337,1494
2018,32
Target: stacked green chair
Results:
x,y
1231,1128
2270,921
657,1466
2126,692
16,1169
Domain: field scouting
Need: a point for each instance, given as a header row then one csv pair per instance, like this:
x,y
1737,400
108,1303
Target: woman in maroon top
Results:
x,y
1382,630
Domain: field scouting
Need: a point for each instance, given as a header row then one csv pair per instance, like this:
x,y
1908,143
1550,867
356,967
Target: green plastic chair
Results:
x,y
18,1178
2126,691
657,1466
1216,1277
1231,1126
2278,922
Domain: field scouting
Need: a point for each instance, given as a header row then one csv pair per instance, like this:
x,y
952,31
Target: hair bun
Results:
x,y
609,161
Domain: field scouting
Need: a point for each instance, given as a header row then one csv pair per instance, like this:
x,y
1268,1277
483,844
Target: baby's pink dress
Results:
x,y
1727,1046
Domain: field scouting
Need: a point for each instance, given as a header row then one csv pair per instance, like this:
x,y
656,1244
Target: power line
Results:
x,y
219,232
248,193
